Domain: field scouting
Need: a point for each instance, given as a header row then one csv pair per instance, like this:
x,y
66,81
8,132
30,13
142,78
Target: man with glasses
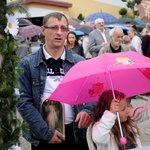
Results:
x,y
43,71
98,37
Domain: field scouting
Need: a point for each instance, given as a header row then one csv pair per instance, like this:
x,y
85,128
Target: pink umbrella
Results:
x,y
30,31
128,72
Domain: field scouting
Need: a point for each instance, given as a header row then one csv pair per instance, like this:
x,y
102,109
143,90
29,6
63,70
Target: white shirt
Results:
x,y
85,46
103,35
136,43
51,84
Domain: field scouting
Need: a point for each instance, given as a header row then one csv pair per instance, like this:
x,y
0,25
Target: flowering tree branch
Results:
x,y
10,124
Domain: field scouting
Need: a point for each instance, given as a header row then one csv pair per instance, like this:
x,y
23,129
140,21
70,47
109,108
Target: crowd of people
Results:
x,y
88,126
92,44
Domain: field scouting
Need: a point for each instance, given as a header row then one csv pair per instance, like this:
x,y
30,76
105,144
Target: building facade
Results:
x,y
71,8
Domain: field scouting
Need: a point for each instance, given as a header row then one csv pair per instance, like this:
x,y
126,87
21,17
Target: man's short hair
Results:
x,y
57,15
99,20
112,31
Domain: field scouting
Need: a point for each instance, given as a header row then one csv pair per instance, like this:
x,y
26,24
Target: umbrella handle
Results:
x,y
123,140
119,125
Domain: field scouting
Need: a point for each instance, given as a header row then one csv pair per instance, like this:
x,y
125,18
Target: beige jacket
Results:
x,y
107,49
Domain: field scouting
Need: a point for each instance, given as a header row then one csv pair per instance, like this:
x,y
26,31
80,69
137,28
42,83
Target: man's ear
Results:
x,y
43,29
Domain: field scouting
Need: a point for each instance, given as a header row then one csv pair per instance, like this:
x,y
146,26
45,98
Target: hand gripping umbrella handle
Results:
x,y
123,140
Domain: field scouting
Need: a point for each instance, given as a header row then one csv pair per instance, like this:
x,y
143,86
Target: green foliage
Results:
x,y
123,11
128,16
10,124
132,4
138,1
3,10
136,13
81,17
18,5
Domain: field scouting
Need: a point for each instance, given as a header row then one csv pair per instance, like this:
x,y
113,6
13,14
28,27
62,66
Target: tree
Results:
x,y
81,17
123,11
10,125
132,4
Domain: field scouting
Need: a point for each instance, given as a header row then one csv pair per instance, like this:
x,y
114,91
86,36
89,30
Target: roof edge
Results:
x,y
50,2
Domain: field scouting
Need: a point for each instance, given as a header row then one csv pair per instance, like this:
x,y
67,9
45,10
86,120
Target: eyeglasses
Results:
x,y
56,28
101,23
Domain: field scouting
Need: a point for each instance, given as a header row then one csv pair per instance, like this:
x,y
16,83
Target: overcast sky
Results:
x,y
113,2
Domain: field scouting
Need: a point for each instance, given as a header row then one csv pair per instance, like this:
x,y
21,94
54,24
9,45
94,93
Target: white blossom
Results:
x,y
12,25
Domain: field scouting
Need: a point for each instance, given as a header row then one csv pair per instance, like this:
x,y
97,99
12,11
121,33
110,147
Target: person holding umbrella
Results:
x,y
104,134
43,71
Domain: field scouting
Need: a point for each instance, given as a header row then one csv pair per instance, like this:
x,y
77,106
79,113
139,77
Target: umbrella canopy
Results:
x,y
30,31
77,32
108,18
24,22
84,28
77,20
128,72
139,21
142,25
92,25
127,21
123,27
73,22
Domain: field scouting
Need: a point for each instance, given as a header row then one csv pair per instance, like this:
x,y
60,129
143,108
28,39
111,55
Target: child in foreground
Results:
x,y
104,132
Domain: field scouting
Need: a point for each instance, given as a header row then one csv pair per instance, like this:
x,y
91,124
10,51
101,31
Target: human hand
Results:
x,y
57,138
83,120
114,106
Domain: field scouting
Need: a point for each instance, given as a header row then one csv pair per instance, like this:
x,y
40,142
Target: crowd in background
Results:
x,y
90,45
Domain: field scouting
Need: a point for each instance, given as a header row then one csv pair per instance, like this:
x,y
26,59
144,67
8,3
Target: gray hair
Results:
x,y
98,20
112,31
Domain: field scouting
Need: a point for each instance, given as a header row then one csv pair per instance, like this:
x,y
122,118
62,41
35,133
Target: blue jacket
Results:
x,y
32,83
